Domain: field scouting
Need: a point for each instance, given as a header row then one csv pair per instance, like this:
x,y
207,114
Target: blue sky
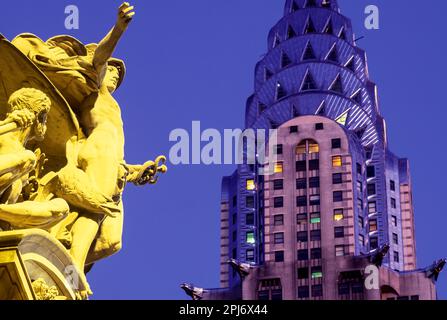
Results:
x,y
194,60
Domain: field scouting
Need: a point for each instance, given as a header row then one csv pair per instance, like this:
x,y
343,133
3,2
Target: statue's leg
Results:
x,y
32,214
109,240
84,232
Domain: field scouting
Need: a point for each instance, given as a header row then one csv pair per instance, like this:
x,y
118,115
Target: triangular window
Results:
x,y
290,32
342,34
310,27
294,7
329,29
280,91
276,42
261,107
311,4
337,85
308,83
321,109
285,60
309,53
268,74
333,56
351,64
357,97
360,133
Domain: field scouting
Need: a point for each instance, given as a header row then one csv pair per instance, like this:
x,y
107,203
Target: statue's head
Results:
x,y
115,74
37,103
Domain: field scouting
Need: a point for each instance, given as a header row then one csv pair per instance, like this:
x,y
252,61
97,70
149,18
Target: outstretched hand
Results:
x,y
125,15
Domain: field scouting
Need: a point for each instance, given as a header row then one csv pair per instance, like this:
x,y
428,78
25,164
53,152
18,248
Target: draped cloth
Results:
x,y
66,62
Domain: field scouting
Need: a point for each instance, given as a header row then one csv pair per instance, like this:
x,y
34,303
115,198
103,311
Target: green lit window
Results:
x,y
317,272
315,217
251,238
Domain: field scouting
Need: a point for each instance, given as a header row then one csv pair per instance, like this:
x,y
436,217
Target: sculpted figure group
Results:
x,y
62,166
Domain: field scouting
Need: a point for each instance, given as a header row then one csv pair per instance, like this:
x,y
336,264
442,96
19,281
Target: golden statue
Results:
x,y
62,166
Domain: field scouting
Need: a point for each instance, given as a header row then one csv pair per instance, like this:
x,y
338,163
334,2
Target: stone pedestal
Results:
x,y
33,259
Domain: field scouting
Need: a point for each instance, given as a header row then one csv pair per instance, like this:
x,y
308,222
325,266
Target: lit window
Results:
x,y
337,161
250,239
338,214
279,220
340,251
372,225
315,217
314,148
251,185
301,148
279,238
317,272
279,167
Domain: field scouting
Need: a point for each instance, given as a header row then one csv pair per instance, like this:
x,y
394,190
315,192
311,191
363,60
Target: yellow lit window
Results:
x,y
279,167
314,148
337,161
338,214
251,184
301,148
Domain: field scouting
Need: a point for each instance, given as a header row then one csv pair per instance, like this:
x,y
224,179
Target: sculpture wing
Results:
x,y
16,72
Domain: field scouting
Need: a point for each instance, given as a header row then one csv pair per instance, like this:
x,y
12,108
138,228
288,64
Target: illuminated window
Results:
x,y
301,148
337,162
315,217
340,251
317,272
338,214
314,148
279,167
250,239
372,225
251,184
